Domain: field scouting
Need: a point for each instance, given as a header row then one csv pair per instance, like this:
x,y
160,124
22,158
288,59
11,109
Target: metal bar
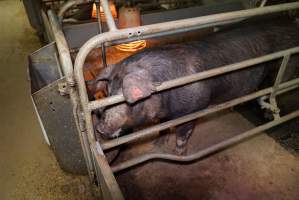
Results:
x,y
263,3
66,6
49,34
101,31
151,131
62,47
197,77
171,32
82,134
108,183
278,80
67,67
108,15
208,151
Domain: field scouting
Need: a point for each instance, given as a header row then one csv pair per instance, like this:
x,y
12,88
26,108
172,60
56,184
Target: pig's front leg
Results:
x,y
183,133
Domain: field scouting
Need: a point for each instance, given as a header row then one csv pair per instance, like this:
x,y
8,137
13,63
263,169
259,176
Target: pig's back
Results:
x,y
222,48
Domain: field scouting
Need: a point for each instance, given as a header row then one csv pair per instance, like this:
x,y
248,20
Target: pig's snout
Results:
x,y
112,121
107,134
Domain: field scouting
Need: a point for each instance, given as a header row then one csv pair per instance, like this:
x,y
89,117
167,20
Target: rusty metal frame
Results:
x,y
95,157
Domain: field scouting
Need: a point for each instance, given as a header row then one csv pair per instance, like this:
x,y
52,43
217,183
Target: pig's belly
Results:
x,y
236,84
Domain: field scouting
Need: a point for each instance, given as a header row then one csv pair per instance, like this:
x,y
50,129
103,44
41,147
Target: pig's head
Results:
x,y
140,107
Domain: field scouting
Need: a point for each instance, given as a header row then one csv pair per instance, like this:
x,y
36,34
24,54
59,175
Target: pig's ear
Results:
x,y
137,85
106,73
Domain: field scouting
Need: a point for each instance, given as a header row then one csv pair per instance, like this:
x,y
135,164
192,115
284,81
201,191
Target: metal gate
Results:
x,y
98,166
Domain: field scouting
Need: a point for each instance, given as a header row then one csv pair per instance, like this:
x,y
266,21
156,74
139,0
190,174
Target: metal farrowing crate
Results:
x,y
98,167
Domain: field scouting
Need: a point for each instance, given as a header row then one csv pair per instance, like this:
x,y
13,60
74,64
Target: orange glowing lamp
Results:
x,y
130,17
103,18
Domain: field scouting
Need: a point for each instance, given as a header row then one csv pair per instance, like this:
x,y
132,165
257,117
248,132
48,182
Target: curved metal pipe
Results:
x,y
208,151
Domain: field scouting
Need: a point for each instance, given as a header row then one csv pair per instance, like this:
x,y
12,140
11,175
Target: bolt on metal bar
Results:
x,y
109,18
208,151
66,6
278,80
197,77
166,33
153,130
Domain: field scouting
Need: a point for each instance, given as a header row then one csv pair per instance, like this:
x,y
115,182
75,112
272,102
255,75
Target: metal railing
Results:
x,y
95,150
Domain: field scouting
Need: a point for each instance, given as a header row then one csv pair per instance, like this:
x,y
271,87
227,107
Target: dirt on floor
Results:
x,y
256,169
28,168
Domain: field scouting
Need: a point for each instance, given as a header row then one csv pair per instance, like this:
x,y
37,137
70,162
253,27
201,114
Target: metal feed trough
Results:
x,y
58,86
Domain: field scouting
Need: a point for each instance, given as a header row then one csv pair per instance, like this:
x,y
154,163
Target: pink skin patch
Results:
x,y
136,93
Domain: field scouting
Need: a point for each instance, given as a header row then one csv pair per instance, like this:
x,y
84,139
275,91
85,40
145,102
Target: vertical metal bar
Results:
x,y
62,47
263,3
104,61
67,67
108,15
278,80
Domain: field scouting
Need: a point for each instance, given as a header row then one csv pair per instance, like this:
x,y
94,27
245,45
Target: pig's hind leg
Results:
x,y
183,133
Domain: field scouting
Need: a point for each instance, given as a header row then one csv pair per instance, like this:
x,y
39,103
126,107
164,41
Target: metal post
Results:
x,y
62,47
278,80
103,48
108,15
67,68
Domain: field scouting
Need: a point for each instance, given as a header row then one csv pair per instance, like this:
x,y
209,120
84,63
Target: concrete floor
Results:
x,y
259,169
28,169
256,169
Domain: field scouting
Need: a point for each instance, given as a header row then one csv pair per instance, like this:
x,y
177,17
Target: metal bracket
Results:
x,y
63,88
272,105
273,108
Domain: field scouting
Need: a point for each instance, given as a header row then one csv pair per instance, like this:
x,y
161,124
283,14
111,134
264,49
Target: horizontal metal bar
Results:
x,y
149,132
62,47
108,15
208,151
172,32
197,77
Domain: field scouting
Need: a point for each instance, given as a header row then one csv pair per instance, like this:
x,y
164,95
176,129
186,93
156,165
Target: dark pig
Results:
x,y
137,75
